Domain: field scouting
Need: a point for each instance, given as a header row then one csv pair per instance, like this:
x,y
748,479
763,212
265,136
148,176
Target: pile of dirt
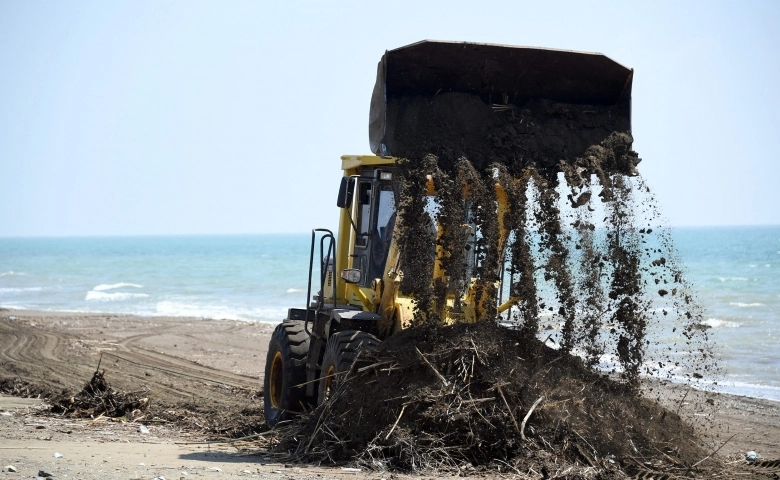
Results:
x,y
481,396
97,398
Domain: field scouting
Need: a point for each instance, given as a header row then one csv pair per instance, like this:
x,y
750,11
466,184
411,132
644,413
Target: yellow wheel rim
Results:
x,y
276,381
329,374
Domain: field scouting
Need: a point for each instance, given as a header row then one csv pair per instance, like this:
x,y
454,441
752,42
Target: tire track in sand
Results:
x,y
56,359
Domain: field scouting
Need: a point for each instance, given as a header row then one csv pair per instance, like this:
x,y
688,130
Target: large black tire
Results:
x,y
339,355
285,369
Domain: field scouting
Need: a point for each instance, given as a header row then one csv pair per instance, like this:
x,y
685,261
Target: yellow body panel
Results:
x,y
349,293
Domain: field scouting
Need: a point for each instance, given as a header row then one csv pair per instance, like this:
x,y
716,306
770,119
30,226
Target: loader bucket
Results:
x,y
495,74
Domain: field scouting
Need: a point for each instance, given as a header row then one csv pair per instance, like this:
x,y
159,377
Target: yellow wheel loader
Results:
x,y
356,296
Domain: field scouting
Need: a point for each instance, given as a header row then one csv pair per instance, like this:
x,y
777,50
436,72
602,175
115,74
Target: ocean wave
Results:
x,y
181,309
269,314
718,323
16,290
114,286
11,273
98,296
733,279
743,305
295,290
170,308
12,306
749,389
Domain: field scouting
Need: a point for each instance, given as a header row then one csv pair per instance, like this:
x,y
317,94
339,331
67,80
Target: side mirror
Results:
x,y
346,190
351,275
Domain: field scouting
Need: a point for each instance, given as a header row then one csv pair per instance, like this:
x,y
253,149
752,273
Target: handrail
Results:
x,y
323,273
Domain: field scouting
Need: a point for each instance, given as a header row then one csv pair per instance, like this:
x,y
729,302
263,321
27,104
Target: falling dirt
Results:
x,y
555,166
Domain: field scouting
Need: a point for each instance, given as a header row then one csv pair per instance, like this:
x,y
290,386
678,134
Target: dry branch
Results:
x,y
528,415
439,375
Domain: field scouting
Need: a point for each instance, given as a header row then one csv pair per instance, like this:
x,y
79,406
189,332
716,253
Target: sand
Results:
x,y
203,378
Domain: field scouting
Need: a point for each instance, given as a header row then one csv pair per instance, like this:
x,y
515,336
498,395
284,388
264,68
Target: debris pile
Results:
x,y
98,398
481,396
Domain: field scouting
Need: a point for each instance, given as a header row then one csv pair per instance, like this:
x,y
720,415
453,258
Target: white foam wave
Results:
x,y
733,279
12,306
269,314
755,390
743,305
170,308
98,296
16,290
718,323
181,309
114,286
295,290
11,273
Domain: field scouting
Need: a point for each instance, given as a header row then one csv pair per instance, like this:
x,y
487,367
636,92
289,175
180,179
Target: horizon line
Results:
x,y
237,234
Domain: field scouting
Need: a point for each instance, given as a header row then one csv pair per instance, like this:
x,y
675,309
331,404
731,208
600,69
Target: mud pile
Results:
x,y
481,396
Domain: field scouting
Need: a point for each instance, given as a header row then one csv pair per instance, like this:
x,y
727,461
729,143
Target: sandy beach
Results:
x,y
203,379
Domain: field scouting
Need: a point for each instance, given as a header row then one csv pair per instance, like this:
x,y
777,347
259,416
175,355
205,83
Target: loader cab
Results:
x,y
369,199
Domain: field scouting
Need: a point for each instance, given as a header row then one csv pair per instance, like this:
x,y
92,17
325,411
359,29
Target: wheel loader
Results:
x,y
356,296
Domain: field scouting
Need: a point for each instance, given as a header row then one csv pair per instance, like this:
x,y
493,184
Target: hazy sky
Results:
x,y
230,117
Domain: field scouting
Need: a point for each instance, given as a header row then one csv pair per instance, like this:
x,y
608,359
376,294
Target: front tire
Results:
x,y
285,370
340,354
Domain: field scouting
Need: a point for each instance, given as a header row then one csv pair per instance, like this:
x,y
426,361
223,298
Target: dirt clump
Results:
x,y
473,397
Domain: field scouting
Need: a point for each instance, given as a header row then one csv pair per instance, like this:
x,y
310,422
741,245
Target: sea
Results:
x,y
735,273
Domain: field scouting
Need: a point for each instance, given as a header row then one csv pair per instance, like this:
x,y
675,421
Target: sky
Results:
x,y
193,117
